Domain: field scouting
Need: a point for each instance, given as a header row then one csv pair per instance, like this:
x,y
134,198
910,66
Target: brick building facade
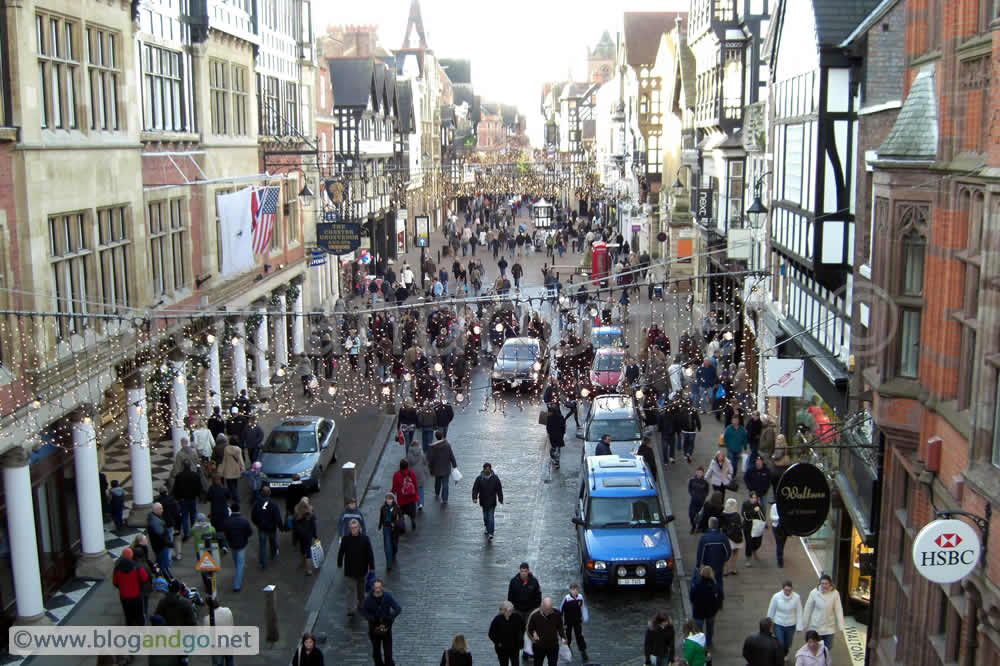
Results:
x,y
933,306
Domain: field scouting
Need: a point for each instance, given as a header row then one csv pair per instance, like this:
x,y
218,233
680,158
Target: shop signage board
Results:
x,y
946,551
423,224
803,498
317,258
784,377
338,237
703,204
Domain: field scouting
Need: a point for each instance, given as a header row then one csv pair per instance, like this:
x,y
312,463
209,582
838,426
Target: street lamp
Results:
x,y
757,212
306,195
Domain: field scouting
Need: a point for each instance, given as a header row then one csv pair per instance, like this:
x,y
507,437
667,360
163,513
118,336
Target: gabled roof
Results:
x,y
352,80
404,101
380,81
836,19
914,136
642,34
462,92
458,70
605,48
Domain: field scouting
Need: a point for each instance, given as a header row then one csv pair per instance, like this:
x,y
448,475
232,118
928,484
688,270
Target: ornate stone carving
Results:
x,y
974,74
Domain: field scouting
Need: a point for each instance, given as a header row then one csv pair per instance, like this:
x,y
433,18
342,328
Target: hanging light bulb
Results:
x,y
537,366
689,371
477,329
234,410
593,312
499,328
37,402
180,379
210,339
332,390
163,367
438,367
386,390
281,371
138,409
407,376
728,335
584,392
639,395
236,340
86,420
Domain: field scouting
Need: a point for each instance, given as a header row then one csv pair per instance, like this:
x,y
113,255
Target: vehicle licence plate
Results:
x,y
631,581
279,484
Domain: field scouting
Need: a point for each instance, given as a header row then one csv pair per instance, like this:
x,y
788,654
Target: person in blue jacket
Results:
x,y
381,610
714,550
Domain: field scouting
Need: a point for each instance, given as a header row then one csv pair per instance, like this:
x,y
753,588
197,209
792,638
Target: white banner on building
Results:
x,y
401,217
784,377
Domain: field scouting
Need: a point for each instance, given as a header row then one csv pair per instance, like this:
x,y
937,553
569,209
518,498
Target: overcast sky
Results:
x,y
514,46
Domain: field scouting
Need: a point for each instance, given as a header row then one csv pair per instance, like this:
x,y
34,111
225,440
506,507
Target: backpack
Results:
x,y
408,488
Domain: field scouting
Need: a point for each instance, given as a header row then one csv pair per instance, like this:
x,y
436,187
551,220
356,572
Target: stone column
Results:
x,y
280,331
239,358
22,539
298,326
94,561
178,398
138,443
262,367
213,387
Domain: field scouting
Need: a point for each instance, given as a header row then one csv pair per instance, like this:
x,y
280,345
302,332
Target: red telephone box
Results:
x,y
600,263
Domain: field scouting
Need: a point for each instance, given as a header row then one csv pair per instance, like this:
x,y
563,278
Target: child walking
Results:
x,y
574,612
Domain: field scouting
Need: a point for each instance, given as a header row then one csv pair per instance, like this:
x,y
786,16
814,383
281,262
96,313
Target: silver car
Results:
x,y
616,415
303,445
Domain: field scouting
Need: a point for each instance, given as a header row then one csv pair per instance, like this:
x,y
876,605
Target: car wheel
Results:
x,y
336,445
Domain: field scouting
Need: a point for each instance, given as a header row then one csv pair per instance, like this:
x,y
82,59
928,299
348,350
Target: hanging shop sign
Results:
x,y
317,258
946,551
784,377
703,204
803,498
423,224
338,237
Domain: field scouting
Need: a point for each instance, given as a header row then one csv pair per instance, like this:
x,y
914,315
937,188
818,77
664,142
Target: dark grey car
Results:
x,y
521,362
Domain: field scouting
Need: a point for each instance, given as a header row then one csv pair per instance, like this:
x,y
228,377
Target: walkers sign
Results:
x,y
946,551
803,498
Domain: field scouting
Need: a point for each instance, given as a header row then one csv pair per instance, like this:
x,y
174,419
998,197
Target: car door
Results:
x,y
581,513
324,433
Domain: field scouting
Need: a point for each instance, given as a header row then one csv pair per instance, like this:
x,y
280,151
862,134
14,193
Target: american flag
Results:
x,y
263,207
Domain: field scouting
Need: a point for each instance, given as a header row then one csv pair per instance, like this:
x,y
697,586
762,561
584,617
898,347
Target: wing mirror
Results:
x,y
669,519
579,521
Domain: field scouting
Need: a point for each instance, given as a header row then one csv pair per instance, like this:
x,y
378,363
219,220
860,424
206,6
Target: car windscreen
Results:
x,y
608,340
608,363
623,512
518,353
291,441
619,429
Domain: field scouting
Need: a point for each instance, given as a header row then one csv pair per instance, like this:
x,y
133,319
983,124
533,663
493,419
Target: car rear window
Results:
x,y
619,429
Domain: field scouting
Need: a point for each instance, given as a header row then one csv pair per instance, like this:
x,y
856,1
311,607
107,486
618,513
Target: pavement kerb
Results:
x,y
327,574
679,575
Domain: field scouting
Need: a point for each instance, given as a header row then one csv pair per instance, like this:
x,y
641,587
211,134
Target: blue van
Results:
x,y
620,527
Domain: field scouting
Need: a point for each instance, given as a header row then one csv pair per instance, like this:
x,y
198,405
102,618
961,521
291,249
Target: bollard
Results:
x,y
349,475
271,632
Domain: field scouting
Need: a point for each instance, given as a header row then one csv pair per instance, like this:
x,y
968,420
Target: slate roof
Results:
x,y
915,134
351,80
380,74
836,19
463,92
509,114
689,73
404,100
458,71
605,48
642,34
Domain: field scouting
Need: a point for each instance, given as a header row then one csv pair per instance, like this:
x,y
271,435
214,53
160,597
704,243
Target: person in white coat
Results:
x,y
785,610
824,612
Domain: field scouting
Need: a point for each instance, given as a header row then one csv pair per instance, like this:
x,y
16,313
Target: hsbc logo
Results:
x,y
946,551
948,540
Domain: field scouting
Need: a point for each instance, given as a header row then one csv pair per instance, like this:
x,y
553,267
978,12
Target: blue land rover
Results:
x,y
620,527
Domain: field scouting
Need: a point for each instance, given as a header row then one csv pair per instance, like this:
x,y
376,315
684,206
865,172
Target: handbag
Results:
x,y
316,553
399,524
456,475
543,417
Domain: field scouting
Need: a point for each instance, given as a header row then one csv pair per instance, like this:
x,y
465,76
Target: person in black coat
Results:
x,y
698,492
186,490
253,439
646,451
762,648
216,425
758,479
356,557
507,634
524,591
266,517
555,425
444,413
238,532
308,654
706,600
667,421
659,641
487,492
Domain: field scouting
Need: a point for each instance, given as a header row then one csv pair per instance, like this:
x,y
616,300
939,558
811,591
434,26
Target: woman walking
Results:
x,y
754,523
304,531
388,517
458,654
814,652
404,486
694,648
418,465
785,610
731,525
706,599
308,654
408,420
823,612
659,644
720,472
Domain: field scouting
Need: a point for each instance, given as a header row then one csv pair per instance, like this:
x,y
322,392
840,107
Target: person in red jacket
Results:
x,y
129,578
404,487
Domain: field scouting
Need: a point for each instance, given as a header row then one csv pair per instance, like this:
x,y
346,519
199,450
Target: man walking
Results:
x,y
350,513
714,550
762,648
735,439
238,531
758,478
502,265
266,517
160,539
187,489
381,610
524,592
546,631
487,492
516,271
706,379
356,557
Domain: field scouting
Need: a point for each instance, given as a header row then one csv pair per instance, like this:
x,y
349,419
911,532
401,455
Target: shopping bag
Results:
x,y
757,528
316,553
744,462
543,417
774,515
565,654
399,437
456,476
528,649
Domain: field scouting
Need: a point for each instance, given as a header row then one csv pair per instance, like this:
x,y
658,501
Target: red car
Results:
x,y
606,370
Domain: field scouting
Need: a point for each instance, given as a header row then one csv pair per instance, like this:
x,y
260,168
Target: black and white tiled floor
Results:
x,y
117,465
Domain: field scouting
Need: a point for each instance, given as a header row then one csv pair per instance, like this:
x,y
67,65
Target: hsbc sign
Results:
x,y
946,551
